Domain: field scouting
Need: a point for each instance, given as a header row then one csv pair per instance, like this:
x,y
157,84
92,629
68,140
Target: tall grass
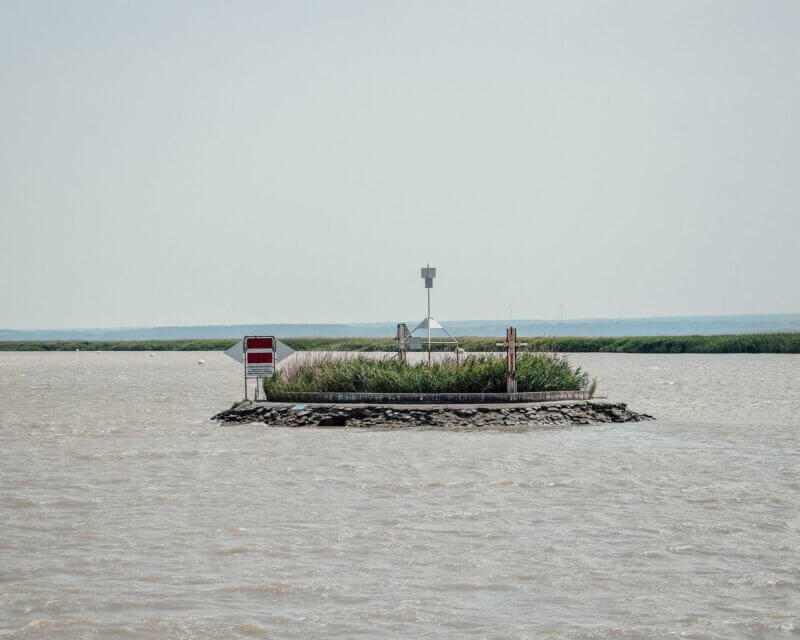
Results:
x,y
477,374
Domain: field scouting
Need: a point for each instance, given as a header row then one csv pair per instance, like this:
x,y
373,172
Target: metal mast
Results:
x,y
430,323
428,274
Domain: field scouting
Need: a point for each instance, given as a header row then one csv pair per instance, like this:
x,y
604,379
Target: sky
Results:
x,y
199,162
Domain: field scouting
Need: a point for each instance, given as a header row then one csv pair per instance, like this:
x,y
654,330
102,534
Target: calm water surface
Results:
x,y
125,513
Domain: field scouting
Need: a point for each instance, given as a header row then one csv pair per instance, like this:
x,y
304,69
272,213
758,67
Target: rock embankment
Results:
x,y
448,416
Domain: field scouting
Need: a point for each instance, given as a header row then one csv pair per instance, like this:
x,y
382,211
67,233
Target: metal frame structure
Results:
x,y
428,273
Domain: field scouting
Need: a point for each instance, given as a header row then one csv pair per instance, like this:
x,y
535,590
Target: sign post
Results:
x,y
266,346
511,345
428,274
259,359
402,339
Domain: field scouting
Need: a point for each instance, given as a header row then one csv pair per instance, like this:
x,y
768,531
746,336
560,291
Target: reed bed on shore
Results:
x,y
739,343
118,345
476,374
734,343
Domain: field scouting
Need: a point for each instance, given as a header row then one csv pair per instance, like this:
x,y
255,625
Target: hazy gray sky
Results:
x,y
224,162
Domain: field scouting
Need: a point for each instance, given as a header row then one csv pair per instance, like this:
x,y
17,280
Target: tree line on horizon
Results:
x,y
733,343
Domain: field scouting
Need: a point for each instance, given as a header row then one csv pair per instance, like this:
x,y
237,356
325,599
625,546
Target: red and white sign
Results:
x,y
259,356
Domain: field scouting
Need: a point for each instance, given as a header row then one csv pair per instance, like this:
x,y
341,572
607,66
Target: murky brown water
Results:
x,y
126,513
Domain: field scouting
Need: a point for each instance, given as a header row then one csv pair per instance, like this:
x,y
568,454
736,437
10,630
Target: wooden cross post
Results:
x,y
402,342
511,345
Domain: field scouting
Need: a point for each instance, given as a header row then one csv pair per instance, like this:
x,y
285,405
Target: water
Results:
x,y
126,513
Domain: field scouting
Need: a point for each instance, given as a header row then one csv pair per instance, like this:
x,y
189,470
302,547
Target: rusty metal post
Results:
x,y
511,360
511,345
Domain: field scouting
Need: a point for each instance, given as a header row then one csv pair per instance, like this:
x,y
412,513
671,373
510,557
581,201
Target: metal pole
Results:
x,y
429,325
512,335
511,338
401,342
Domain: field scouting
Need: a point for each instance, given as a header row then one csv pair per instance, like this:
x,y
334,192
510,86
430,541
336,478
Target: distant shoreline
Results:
x,y
733,343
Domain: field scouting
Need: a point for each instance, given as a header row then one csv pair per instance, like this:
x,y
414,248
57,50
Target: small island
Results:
x,y
386,392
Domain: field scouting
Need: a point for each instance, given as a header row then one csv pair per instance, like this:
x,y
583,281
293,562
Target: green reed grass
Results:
x,y
477,374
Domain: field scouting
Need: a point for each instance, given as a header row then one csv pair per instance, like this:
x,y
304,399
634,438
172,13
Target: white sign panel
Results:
x,y
236,352
261,370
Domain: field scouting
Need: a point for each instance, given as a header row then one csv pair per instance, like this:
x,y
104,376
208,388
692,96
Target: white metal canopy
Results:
x,y
429,323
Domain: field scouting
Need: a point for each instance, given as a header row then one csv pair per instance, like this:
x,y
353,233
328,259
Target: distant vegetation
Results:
x,y
742,343
477,374
122,345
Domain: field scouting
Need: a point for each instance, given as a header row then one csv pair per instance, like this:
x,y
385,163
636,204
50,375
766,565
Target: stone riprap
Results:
x,y
388,416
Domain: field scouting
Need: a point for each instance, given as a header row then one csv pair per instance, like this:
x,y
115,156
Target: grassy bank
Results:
x,y
478,374
742,343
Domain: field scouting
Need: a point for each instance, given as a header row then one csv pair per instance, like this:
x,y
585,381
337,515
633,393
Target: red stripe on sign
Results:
x,y
259,343
259,357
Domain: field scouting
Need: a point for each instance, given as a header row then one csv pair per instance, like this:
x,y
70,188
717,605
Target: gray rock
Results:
x,y
454,416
